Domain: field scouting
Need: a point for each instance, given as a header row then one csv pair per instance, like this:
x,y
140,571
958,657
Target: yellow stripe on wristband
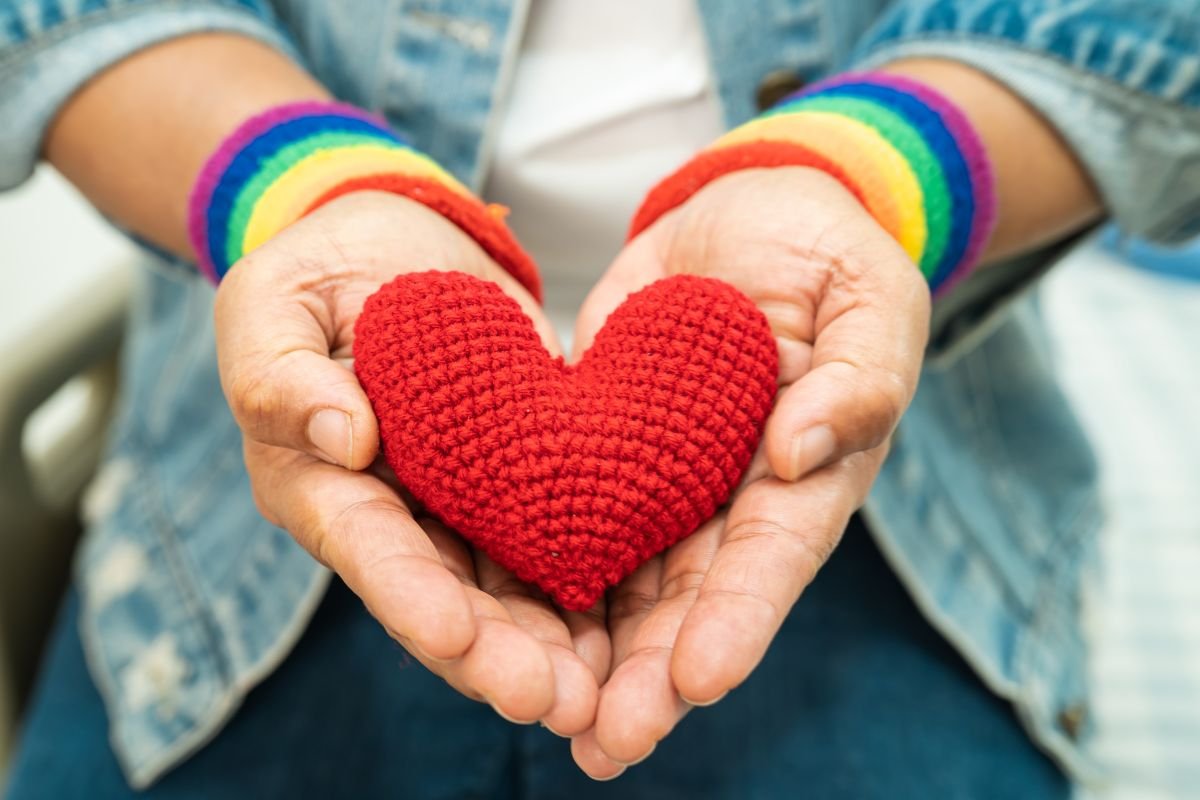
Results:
x,y
891,188
290,197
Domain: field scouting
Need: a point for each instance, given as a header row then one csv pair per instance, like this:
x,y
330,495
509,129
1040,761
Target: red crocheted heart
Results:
x,y
569,476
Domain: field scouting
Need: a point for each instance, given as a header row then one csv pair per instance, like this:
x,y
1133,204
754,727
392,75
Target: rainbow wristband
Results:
x,y
290,160
907,153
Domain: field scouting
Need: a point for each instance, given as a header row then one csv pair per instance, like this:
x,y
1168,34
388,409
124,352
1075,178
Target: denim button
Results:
x,y
1072,719
776,86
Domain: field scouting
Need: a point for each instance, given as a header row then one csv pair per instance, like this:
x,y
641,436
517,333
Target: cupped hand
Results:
x,y
285,318
850,313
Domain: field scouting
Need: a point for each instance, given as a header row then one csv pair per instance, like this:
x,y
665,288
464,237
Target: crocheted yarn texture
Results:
x,y
569,476
909,155
292,159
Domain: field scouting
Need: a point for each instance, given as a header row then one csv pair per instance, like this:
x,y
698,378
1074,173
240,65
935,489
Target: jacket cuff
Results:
x,y
38,75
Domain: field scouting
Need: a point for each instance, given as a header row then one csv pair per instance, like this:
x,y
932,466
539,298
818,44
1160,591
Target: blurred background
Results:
x,y
1125,324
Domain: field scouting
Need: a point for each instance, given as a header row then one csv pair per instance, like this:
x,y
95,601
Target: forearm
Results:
x,y
1042,191
134,138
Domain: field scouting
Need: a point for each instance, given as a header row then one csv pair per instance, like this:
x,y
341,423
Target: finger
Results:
x,y
505,666
590,638
456,555
273,351
355,525
590,758
639,705
630,604
777,535
758,469
872,327
575,686
502,666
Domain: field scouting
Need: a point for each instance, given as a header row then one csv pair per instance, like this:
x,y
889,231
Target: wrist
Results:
x,y
288,161
908,155
1043,188
768,203
366,235
766,186
789,231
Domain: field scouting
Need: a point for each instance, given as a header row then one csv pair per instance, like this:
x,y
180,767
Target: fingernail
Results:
x,y
634,763
608,777
504,716
331,433
810,449
705,703
420,653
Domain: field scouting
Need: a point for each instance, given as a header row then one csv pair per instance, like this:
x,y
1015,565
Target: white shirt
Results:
x,y
607,98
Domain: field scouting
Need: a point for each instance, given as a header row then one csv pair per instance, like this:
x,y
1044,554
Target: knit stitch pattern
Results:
x,y
288,161
908,154
569,476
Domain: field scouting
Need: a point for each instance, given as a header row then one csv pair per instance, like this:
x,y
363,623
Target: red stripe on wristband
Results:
x,y
709,165
477,220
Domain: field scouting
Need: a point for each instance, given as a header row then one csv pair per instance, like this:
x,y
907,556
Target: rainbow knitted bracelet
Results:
x,y
292,159
907,153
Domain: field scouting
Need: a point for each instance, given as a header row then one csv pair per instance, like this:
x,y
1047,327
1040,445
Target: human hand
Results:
x,y
285,318
850,313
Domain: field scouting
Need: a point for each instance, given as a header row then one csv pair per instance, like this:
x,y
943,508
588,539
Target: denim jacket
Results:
x,y
987,506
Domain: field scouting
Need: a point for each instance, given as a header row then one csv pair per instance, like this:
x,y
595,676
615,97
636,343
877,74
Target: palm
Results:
x,y
283,315
577,644
692,623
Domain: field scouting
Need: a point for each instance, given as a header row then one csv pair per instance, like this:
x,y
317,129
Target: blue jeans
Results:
x,y
857,698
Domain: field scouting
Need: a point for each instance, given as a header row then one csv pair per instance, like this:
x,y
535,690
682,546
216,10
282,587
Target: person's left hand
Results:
x,y
850,312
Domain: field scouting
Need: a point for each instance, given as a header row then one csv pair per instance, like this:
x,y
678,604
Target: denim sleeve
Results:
x,y
50,48
1119,80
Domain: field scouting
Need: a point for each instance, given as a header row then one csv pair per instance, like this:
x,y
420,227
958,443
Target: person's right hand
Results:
x,y
285,318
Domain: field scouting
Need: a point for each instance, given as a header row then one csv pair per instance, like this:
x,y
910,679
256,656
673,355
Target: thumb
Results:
x,y
866,362
277,374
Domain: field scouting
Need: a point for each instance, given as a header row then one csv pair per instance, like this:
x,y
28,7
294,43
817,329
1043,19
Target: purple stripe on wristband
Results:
x,y
979,166
214,169
983,184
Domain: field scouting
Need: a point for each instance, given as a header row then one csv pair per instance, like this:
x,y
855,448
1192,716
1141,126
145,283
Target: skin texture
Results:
x,y
848,308
850,315
1043,190
139,167
285,319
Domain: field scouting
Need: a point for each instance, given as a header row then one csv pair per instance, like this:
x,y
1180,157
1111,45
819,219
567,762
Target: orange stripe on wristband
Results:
x,y
892,191
709,165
